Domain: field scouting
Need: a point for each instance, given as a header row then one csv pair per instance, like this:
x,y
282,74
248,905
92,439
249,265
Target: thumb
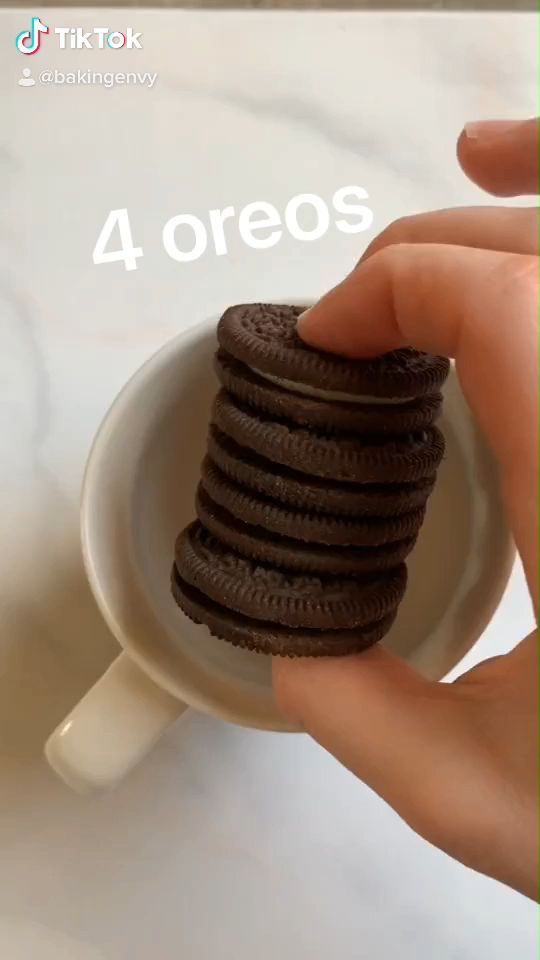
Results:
x,y
455,761
378,717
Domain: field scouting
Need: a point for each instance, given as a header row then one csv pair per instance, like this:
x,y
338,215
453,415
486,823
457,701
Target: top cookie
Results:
x,y
264,337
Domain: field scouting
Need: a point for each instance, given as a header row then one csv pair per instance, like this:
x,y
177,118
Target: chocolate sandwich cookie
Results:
x,y
333,417
292,600
261,511
286,553
313,490
369,460
304,492
264,337
265,637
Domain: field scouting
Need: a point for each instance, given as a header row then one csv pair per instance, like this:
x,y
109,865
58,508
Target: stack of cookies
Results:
x,y
313,490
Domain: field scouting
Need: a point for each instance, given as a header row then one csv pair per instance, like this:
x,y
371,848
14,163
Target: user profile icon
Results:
x,y
27,79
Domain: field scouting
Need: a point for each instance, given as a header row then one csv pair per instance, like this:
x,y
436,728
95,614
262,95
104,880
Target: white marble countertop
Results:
x,y
225,843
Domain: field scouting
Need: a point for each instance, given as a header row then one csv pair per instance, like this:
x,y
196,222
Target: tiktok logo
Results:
x,y
29,41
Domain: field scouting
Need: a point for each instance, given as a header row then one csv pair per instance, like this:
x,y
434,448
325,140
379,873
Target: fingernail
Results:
x,y
488,129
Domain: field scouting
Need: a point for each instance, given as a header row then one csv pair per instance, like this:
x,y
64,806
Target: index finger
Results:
x,y
477,306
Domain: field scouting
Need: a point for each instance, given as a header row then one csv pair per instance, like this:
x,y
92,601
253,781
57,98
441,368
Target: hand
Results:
x,y
459,762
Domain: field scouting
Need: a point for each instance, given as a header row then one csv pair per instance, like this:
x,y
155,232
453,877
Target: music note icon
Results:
x,y
29,41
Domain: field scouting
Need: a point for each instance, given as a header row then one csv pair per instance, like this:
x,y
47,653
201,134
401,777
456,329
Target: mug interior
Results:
x,y
139,492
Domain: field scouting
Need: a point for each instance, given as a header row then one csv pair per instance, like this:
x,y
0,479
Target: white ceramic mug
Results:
x,y
138,494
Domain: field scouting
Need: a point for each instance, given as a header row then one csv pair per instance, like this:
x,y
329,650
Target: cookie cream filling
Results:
x,y
318,394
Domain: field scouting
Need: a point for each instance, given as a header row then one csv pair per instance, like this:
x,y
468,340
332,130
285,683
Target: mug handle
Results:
x,y
111,728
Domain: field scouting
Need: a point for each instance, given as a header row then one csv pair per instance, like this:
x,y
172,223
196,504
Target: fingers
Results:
x,y
490,228
501,156
475,305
